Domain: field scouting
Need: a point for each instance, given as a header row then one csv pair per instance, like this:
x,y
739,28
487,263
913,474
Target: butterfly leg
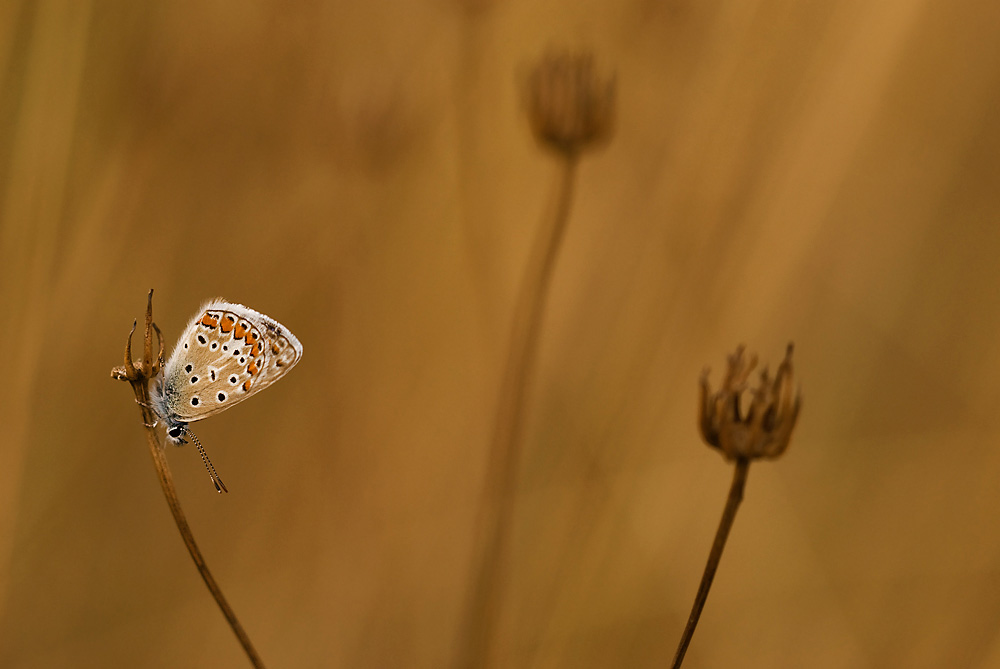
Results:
x,y
147,406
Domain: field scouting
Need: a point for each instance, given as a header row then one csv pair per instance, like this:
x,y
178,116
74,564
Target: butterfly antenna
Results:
x,y
219,485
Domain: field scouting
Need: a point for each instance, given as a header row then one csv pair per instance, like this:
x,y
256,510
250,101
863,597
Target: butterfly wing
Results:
x,y
227,353
283,349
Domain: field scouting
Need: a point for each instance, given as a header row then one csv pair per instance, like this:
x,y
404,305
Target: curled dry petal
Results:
x,y
764,428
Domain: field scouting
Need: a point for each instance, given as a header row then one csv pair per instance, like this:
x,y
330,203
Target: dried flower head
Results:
x,y
569,105
764,428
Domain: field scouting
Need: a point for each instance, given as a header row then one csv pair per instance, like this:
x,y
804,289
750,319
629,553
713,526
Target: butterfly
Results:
x,y
227,353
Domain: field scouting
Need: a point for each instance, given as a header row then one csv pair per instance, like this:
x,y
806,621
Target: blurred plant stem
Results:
x,y
570,110
139,374
489,582
728,516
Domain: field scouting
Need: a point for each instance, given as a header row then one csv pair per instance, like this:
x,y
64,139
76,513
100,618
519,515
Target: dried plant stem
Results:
x,y
167,483
139,374
728,516
504,457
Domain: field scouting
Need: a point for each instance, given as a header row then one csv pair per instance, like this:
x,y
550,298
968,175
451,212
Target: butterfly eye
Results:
x,y
174,432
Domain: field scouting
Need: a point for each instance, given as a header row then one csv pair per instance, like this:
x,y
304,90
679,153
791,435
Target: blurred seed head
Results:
x,y
764,428
570,106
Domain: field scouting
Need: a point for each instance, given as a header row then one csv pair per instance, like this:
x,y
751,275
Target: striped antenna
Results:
x,y
219,485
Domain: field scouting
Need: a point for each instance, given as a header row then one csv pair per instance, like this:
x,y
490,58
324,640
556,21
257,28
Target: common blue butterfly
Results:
x,y
228,353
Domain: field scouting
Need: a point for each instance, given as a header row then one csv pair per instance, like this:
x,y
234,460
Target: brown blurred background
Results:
x,y
823,172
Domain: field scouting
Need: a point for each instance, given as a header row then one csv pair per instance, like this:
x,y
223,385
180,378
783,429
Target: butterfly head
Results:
x,y
176,433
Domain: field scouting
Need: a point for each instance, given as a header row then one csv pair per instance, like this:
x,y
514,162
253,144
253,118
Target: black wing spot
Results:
x,y
225,348
194,401
222,397
212,372
233,380
202,340
194,379
188,367
215,345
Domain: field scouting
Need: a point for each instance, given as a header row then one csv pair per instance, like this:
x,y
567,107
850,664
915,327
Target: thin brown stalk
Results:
x,y
486,597
139,374
728,516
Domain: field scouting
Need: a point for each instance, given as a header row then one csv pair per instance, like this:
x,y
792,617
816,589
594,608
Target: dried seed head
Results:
x,y
570,107
765,427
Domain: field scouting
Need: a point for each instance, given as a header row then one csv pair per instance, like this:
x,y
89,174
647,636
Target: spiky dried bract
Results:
x,y
570,106
764,429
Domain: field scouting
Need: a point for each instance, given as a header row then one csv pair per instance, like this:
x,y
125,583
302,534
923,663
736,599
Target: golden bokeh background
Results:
x,y
824,172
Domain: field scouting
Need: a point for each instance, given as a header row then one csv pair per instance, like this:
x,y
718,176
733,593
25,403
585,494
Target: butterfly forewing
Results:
x,y
227,354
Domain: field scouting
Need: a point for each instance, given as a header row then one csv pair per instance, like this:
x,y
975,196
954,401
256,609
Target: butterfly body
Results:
x,y
228,353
